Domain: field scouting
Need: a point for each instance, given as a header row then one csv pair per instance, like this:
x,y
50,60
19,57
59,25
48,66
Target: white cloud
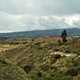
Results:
x,y
28,22
20,15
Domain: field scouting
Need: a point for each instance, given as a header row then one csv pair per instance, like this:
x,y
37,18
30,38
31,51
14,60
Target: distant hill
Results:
x,y
41,33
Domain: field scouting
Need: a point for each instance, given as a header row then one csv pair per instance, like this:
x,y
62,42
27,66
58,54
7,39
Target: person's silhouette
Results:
x,y
64,35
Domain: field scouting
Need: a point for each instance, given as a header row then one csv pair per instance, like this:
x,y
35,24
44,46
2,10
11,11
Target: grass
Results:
x,y
36,59
8,71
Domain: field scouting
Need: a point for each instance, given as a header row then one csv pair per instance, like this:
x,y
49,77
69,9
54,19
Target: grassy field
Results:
x,y
44,58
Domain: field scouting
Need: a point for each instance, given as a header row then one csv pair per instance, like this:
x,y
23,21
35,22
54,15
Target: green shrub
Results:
x,y
11,72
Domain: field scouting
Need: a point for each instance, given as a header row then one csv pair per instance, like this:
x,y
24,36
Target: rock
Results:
x,y
72,71
39,74
63,54
28,68
57,56
56,49
57,53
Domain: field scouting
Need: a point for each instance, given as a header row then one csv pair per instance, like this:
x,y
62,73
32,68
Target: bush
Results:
x,y
28,68
11,72
72,71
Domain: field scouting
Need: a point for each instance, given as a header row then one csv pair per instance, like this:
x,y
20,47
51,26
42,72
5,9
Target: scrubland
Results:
x,y
43,58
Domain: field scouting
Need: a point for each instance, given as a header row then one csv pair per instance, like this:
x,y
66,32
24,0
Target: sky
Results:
x,y
27,15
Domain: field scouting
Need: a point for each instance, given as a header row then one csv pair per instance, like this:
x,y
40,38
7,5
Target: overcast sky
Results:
x,y
26,15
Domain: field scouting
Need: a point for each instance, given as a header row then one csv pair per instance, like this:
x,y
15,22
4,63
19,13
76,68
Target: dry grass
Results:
x,y
34,56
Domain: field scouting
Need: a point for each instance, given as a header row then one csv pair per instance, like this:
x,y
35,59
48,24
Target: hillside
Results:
x,y
43,58
40,33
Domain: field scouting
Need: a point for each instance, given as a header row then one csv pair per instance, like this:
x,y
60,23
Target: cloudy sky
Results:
x,y
27,15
